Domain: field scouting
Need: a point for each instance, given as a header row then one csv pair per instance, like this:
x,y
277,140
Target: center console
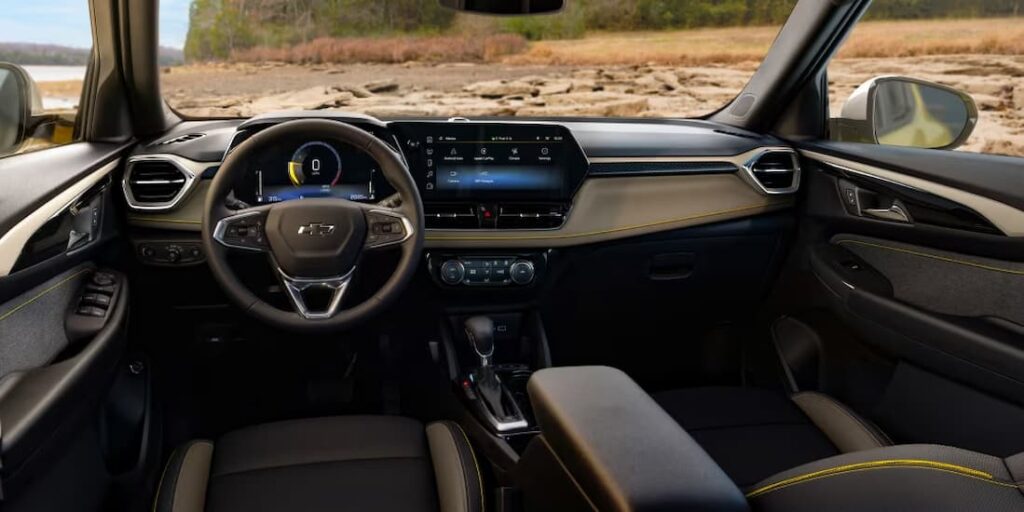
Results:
x,y
490,358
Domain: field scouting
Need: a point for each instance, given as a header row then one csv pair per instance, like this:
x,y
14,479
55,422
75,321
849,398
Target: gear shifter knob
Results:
x,y
480,333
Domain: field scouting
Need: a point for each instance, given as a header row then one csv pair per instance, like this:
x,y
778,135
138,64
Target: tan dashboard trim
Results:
x,y
557,235
187,217
613,208
606,208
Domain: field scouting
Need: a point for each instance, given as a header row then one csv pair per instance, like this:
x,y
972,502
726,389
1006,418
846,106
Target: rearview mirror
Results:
x,y
505,7
19,97
900,111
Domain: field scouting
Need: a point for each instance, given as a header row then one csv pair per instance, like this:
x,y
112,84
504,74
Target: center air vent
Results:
x,y
178,140
157,182
775,171
531,216
450,216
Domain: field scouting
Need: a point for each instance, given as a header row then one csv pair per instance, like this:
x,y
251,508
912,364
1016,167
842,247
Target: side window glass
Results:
x,y
43,59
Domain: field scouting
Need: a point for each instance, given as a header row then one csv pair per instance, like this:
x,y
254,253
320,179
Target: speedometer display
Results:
x,y
299,169
315,163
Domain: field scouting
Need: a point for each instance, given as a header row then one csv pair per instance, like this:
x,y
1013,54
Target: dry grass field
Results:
x,y
718,46
686,47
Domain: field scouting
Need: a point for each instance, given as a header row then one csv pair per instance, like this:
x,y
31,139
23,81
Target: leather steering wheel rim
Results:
x,y
393,167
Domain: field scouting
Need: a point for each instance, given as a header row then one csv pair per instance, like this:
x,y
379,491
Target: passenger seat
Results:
x,y
755,433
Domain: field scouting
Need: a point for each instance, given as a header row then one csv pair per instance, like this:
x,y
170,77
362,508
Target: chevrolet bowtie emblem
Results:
x,y
316,229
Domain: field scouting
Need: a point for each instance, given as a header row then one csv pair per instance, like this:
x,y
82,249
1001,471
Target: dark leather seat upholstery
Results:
x,y
808,452
754,433
326,464
898,478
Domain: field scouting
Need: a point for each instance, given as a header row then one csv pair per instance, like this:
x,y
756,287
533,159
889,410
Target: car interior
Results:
x,y
763,309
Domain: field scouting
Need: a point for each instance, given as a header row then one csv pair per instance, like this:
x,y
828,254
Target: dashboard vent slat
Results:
x,y
641,168
775,171
531,216
155,184
442,216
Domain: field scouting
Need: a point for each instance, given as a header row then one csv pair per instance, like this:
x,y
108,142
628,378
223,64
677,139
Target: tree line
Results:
x,y
218,27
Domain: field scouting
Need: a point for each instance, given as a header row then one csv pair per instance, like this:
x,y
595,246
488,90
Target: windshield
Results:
x,y
403,58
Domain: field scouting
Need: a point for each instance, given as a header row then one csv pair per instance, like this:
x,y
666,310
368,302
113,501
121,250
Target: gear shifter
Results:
x,y
480,333
498,406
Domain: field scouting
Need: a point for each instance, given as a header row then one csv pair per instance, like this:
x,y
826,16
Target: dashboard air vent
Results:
x,y
155,184
775,171
531,216
442,216
179,139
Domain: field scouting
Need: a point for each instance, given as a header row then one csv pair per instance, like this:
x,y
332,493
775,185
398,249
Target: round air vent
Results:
x,y
774,171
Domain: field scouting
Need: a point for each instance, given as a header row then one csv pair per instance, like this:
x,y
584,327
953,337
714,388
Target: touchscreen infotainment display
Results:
x,y
492,161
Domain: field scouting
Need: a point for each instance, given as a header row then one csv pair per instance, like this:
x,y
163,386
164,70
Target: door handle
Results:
x,y
896,212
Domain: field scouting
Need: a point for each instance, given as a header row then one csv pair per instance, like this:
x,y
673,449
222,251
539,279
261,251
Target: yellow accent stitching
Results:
x,y
40,294
881,464
554,236
479,476
936,257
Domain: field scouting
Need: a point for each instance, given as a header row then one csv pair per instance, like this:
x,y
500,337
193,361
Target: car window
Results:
x,y
975,48
43,58
399,58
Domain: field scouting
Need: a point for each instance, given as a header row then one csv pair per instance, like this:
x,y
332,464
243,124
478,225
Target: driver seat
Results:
x,y
381,463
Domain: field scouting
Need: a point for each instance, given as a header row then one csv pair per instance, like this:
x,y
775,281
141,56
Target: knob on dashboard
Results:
x,y
452,272
173,254
522,272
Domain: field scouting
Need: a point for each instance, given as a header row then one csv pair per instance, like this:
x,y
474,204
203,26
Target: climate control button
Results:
x,y
453,272
522,272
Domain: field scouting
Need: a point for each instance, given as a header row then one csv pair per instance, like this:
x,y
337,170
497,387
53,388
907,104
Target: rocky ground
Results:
x,y
472,90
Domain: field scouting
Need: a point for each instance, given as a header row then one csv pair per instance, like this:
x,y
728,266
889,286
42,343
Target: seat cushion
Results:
x,y
897,478
751,433
324,464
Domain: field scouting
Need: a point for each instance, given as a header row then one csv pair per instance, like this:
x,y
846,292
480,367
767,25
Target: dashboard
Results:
x,y
487,184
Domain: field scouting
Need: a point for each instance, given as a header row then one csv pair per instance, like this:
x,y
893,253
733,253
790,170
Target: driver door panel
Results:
x,y
62,325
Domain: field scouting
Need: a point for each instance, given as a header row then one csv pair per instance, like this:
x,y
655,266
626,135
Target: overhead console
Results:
x,y
478,175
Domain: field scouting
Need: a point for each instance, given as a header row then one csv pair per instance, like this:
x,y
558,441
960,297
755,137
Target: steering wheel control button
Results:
x,y
386,228
243,231
453,272
522,272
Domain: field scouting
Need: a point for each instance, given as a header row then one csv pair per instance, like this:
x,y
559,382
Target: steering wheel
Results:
x,y
314,245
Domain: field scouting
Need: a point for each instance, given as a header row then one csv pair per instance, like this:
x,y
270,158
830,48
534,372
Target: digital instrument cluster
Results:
x,y
312,168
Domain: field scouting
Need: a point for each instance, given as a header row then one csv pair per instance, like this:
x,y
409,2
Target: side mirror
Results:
x,y
900,111
19,100
505,7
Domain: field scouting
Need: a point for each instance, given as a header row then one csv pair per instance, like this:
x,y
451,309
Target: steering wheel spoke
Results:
x,y
331,291
386,227
245,230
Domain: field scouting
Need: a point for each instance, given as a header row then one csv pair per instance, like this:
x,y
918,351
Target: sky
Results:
x,y
66,22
